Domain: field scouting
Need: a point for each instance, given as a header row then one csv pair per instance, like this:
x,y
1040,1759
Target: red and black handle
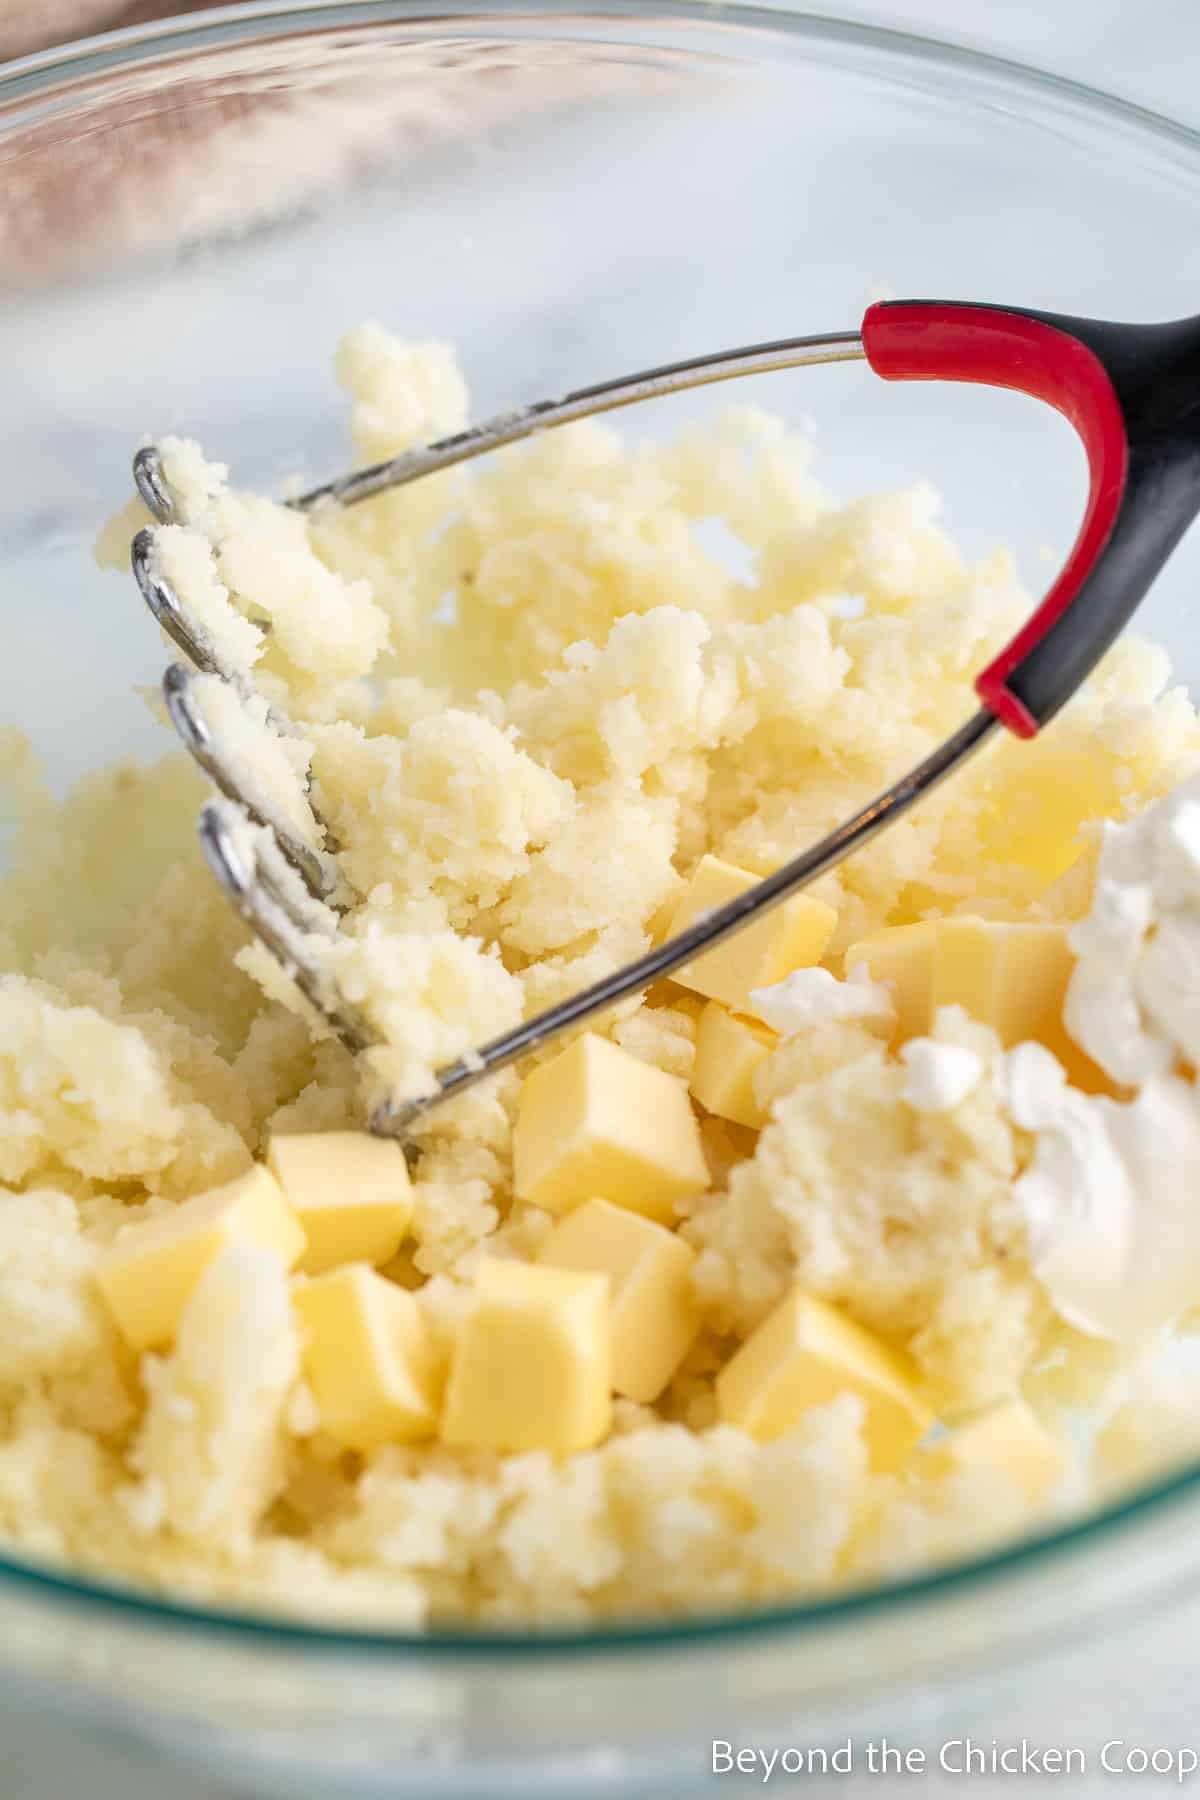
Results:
x,y
1132,392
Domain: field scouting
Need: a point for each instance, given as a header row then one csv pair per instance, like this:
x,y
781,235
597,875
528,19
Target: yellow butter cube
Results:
x,y
804,1354
148,1275
1008,1440
653,1311
728,1051
901,956
369,1358
597,1120
350,1192
1012,977
791,936
532,1364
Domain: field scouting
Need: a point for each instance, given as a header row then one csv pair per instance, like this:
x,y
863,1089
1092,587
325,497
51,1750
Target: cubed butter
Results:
x,y
1014,978
804,1354
369,1358
532,1364
902,957
728,1051
350,1192
597,1120
1008,1440
147,1277
653,1311
1011,976
791,936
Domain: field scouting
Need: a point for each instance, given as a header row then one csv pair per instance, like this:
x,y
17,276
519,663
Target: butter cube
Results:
x,y
532,1365
805,1354
147,1277
369,1358
901,956
791,936
597,1120
652,1308
728,1051
350,1192
1014,977
1009,1440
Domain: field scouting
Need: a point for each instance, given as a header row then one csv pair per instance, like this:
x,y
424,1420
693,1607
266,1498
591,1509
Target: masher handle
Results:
x,y
1132,392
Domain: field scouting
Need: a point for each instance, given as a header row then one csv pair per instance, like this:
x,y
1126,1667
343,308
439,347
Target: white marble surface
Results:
x,y
1149,53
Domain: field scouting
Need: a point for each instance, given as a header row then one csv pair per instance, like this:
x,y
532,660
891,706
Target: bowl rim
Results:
x,y
249,20
262,20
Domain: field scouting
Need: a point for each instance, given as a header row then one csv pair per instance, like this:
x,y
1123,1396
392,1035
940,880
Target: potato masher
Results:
x,y
1132,392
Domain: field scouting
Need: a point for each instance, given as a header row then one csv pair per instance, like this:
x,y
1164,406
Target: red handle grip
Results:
x,y
935,341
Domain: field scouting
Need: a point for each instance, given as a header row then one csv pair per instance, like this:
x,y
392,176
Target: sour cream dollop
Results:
x,y
809,997
1110,1197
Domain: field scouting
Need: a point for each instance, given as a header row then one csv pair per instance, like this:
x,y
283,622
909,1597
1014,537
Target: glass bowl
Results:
x,y
194,212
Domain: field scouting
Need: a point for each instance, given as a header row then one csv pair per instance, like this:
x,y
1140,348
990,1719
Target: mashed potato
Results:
x,y
520,783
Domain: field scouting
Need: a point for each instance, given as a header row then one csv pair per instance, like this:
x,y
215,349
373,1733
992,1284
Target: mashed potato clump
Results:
x,y
530,699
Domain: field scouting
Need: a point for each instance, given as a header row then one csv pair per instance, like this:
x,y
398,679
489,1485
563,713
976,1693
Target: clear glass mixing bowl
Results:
x,y
192,214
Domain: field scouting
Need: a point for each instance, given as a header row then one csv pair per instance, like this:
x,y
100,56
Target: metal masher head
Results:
x,y
268,847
